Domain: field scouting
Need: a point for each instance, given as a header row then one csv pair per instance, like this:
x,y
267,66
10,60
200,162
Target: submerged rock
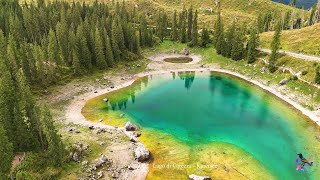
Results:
x,y
130,126
136,134
141,154
105,99
195,177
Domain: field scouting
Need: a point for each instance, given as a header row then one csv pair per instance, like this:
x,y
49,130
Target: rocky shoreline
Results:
x,y
73,113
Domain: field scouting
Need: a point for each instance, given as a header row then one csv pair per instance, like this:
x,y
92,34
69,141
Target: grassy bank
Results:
x,y
306,95
305,40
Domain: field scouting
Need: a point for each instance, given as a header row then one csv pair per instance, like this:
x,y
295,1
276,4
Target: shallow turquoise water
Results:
x,y
203,107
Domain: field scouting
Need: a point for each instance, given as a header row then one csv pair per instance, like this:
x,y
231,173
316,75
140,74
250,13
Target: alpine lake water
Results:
x,y
208,123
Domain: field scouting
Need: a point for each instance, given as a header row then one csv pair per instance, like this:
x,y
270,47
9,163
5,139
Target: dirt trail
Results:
x,y
295,55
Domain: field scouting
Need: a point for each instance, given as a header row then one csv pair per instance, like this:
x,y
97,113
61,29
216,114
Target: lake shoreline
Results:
x,y
73,113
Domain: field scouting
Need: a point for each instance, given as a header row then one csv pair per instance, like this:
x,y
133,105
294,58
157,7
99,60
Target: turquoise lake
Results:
x,y
203,107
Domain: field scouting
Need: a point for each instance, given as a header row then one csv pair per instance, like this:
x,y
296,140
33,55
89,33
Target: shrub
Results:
x,y
294,78
23,175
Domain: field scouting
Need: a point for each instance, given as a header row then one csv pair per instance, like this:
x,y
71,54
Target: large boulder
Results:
x,y
76,151
195,177
283,81
185,52
141,154
76,156
100,161
131,127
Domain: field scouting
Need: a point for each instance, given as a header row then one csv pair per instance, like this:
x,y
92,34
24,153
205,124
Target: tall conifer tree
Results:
x,y
190,23
252,45
275,45
174,32
100,58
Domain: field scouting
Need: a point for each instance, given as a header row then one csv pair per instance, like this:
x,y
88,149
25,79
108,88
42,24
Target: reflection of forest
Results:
x,y
118,100
188,78
225,87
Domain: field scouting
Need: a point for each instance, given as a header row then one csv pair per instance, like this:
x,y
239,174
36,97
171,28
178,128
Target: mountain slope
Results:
x,y
305,40
243,10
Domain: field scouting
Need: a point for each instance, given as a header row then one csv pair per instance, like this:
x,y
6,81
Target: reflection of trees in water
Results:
x,y
188,78
212,83
173,75
118,100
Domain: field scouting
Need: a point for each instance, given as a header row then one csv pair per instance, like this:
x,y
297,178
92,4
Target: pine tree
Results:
x,y
219,40
275,45
26,118
6,153
55,148
174,32
229,39
159,29
286,20
27,61
312,15
190,23
220,46
12,56
164,25
53,49
194,41
76,65
100,57
109,53
83,52
252,45
143,31
117,32
7,96
218,29
16,29
62,36
237,51
205,38
260,23
183,35
117,40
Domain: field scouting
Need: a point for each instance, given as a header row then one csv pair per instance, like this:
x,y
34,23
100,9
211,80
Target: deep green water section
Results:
x,y
207,107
